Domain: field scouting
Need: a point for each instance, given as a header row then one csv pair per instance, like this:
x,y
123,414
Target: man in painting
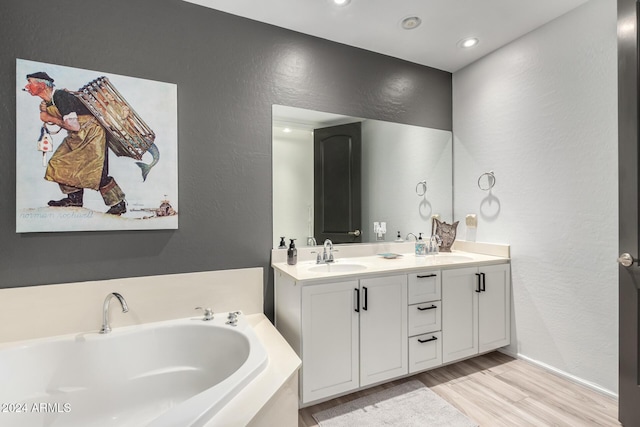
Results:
x,y
81,161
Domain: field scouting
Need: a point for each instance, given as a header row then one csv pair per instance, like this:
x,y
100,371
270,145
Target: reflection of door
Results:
x,y
336,182
629,215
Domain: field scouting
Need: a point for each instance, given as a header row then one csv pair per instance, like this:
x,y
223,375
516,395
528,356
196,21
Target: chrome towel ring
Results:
x,y
421,188
486,181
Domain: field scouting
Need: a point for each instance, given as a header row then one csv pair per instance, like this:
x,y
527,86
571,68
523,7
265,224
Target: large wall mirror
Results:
x,y
403,175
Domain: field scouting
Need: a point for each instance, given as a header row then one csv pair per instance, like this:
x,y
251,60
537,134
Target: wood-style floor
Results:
x,y
497,390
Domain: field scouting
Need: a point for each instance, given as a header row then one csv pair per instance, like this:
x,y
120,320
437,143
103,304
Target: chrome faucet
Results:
x,y
410,234
327,255
106,328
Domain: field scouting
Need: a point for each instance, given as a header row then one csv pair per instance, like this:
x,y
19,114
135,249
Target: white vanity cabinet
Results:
x,y
353,334
353,330
476,314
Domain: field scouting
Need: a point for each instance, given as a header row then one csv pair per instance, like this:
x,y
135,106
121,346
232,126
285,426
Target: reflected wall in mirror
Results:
x,y
395,159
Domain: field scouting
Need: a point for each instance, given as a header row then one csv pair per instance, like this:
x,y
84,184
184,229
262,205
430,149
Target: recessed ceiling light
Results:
x,y
286,130
468,42
342,2
411,22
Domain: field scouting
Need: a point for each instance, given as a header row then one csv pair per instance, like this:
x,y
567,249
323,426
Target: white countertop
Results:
x,y
377,264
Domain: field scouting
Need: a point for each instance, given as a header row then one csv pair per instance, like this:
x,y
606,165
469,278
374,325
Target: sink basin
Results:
x,y
451,258
337,268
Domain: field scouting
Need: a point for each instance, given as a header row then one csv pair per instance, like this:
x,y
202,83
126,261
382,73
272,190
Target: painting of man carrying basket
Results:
x,y
97,120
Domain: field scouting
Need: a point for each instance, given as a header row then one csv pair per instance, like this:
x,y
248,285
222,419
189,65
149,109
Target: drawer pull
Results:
x,y
427,340
427,308
422,276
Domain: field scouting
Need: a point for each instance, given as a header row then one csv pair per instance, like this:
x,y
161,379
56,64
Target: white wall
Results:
x,y
542,113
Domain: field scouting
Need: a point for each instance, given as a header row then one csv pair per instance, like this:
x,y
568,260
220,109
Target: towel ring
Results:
x,y
421,188
490,179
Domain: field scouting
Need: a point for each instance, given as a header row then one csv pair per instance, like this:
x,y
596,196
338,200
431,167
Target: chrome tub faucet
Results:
x,y
106,327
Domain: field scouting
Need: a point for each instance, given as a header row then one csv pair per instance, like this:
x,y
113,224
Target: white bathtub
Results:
x,y
176,373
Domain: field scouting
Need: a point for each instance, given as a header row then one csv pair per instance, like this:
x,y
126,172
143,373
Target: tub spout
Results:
x,y
106,327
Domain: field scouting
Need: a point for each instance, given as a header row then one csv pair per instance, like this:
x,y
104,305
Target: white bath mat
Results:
x,y
406,405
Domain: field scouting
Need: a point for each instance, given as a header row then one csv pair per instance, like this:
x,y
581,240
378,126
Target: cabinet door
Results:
x,y
494,307
330,339
383,329
459,313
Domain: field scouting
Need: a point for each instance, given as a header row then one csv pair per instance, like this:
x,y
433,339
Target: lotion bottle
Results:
x,y
292,253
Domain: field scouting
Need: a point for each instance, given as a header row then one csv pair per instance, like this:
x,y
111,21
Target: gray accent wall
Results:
x,y
229,71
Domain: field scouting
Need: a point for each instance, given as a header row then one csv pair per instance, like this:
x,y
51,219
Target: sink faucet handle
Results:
x,y
208,313
318,257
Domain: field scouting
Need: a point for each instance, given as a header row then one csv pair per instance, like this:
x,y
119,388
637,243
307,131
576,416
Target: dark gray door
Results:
x,y
337,183
629,199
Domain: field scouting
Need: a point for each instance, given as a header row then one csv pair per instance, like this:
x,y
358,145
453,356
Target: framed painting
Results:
x,y
94,151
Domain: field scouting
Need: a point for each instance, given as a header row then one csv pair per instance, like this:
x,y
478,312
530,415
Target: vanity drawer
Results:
x,y
424,318
424,286
425,351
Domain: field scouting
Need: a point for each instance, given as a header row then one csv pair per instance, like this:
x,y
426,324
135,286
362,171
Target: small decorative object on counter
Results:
x,y
447,233
399,237
421,246
283,245
292,254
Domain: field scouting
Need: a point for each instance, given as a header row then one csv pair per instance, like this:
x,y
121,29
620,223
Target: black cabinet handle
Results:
x,y
427,340
427,308
364,306
357,300
422,276
478,290
484,283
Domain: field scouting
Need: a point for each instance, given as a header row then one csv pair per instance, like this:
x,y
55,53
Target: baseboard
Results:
x,y
561,373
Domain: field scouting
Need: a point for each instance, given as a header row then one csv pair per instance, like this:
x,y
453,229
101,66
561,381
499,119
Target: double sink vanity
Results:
x,y
368,317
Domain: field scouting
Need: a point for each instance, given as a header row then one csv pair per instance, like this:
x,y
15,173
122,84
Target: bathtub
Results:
x,y
176,373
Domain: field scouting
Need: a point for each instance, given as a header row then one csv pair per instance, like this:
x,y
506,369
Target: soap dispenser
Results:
x,y
283,245
292,253
421,246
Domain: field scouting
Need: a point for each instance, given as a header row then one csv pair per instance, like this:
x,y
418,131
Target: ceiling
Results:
x,y
375,25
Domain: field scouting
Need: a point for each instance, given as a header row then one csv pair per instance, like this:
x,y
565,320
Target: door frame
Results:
x,y
628,200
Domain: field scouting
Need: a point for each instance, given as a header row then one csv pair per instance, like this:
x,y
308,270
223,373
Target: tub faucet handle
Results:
x,y
208,313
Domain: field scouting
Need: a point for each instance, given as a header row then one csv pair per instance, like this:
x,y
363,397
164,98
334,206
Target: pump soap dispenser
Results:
x,y
421,246
292,253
